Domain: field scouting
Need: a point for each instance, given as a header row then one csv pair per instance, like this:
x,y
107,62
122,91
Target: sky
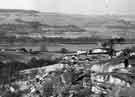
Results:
x,y
73,6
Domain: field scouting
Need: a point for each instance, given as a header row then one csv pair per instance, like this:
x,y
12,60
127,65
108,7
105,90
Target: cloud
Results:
x,y
17,4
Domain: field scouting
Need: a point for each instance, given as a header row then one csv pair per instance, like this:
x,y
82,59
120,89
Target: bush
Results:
x,y
64,50
43,48
48,89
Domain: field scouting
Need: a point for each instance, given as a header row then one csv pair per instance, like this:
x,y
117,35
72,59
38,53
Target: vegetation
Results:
x,y
127,51
110,44
43,48
74,75
11,68
64,50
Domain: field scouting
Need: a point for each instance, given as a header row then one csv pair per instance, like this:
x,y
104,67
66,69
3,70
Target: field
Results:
x,y
56,47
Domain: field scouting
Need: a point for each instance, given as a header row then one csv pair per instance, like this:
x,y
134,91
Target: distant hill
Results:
x,y
56,24
18,10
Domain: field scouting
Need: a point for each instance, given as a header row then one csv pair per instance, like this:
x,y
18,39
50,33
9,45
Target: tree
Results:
x,y
110,44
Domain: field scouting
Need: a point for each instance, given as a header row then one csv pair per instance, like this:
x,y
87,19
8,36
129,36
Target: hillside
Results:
x,y
29,23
